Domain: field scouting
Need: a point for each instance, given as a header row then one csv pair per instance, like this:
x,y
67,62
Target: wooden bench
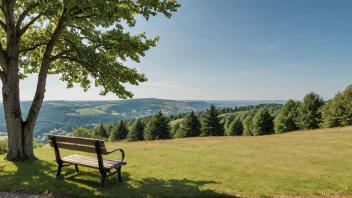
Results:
x,y
90,146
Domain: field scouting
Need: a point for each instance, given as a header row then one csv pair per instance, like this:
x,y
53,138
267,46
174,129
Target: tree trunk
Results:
x,y
27,144
13,116
20,133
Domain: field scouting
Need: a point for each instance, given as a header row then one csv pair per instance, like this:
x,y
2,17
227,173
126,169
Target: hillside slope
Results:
x,y
296,163
61,116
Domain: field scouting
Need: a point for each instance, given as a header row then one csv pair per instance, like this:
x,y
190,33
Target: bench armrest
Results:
x,y
118,149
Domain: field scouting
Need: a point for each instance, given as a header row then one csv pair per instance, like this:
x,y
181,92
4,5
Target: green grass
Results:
x,y
297,163
172,123
90,111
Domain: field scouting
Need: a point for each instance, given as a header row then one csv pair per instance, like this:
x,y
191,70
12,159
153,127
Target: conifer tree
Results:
x,y
338,111
286,120
100,131
309,112
119,132
157,127
191,126
212,125
235,128
263,123
136,132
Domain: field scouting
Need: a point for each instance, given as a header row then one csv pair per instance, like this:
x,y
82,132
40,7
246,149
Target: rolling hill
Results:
x,y
61,116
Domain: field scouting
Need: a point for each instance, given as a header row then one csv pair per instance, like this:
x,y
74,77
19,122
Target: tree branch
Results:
x,y
83,17
24,29
80,10
31,48
43,73
58,56
23,16
83,64
4,12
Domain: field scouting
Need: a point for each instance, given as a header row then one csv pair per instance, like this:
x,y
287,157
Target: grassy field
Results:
x,y
172,123
298,163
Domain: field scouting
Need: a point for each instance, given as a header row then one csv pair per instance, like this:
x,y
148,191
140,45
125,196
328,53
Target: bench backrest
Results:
x,y
77,144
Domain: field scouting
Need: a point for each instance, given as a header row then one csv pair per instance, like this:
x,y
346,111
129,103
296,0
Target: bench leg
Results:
x,y
77,170
103,176
119,174
58,171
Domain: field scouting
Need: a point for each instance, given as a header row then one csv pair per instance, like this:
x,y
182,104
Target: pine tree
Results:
x,y
119,132
235,128
337,112
190,127
100,131
309,112
212,125
136,132
286,120
157,127
247,126
263,123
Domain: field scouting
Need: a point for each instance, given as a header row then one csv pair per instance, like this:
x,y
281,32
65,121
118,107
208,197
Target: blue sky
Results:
x,y
238,50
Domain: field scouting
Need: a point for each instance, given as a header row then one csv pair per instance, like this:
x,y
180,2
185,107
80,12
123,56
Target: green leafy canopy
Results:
x,y
90,39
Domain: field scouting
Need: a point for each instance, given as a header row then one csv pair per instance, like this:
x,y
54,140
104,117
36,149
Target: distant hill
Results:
x,y
61,116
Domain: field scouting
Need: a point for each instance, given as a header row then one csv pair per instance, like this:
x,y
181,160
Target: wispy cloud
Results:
x,y
162,85
273,45
242,73
296,64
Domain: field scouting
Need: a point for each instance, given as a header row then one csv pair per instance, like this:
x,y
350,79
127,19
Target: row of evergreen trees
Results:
x,y
208,123
311,113
157,127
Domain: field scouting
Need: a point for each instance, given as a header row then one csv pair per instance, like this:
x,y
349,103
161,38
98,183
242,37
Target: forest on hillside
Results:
x,y
59,117
254,120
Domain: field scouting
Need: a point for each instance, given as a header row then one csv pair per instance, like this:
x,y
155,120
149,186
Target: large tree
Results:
x,y
83,40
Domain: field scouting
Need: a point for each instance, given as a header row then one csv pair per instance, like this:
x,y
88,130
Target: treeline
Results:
x,y
311,113
212,122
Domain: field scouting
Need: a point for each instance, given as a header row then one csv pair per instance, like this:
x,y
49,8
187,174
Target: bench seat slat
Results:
x,y
91,161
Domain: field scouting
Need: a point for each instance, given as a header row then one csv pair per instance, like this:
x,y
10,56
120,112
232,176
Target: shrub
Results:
x,y
3,146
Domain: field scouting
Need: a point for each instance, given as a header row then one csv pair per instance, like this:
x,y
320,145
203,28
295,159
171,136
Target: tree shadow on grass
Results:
x,y
38,176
